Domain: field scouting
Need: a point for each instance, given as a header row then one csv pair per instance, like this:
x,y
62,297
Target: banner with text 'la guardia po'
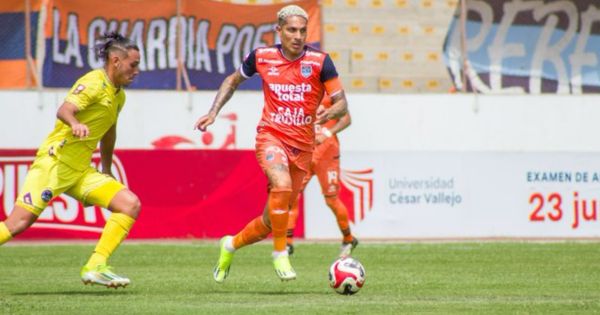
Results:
x,y
528,46
215,37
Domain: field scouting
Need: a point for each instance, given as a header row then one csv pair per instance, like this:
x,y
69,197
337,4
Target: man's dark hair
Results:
x,y
113,41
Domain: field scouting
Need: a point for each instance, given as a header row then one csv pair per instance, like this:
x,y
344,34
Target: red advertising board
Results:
x,y
184,194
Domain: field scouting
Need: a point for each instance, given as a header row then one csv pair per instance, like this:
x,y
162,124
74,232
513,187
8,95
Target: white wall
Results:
x,y
504,156
420,195
381,122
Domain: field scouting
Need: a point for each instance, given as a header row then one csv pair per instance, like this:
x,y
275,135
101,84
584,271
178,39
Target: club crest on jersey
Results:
x,y
46,195
306,70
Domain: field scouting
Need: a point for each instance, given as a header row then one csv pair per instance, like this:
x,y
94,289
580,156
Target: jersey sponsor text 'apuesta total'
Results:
x,y
292,89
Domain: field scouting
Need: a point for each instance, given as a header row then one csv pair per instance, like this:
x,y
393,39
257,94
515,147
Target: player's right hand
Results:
x,y
204,122
108,172
80,131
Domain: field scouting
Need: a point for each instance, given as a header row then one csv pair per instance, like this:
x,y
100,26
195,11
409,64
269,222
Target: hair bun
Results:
x,y
111,41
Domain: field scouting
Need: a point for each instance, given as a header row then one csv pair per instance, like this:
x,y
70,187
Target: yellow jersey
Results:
x,y
99,103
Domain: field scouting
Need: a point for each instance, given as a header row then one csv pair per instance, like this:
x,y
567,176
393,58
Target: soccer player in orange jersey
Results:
x,y
326,165
295,77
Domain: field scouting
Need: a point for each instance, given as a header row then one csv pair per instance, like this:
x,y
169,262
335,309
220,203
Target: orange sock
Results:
x,y
291,224
254,231
279,207
341,214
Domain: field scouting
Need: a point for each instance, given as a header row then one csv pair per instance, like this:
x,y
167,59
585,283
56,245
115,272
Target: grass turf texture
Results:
x,y
442,278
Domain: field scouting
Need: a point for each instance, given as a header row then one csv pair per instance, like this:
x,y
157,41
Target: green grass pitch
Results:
x,y
402,278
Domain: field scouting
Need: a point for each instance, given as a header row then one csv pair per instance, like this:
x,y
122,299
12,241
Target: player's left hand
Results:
x,y
80,130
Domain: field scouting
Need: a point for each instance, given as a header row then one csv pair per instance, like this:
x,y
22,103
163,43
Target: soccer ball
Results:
x,y
346,275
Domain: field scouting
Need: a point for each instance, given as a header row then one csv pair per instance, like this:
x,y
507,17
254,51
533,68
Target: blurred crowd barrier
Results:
x,y
191,44
378,46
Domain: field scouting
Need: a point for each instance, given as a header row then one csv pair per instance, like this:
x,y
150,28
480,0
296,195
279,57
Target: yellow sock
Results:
x,y
96,259
115,231
5,235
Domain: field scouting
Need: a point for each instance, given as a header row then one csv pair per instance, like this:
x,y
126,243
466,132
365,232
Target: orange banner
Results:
x,y
13,51
214,37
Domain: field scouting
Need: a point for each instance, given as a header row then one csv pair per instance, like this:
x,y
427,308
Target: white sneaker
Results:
x,y
283,268
347,248
103,275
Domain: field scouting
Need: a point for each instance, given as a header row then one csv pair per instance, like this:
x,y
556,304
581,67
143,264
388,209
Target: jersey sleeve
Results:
x,y
248,67
83,93
122,102
328,72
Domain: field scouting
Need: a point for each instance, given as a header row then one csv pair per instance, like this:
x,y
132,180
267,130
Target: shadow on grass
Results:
x,y
102,292
283,293
244,291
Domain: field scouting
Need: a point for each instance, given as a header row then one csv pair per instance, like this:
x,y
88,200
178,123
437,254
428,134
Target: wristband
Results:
x,y
326,132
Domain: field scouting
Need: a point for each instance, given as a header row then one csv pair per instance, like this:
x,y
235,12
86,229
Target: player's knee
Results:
x,y
129,204
331,201
281,185
134,206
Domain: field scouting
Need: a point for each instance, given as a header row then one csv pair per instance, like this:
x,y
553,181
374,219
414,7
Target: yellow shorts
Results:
x,y
48,178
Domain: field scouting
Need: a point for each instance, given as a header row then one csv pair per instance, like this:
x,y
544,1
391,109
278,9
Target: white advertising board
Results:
x,y
435,166
462,195
380,122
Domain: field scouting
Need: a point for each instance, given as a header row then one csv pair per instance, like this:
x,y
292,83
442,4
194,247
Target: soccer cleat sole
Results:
x,y
216,278
284,278
348,248
107,285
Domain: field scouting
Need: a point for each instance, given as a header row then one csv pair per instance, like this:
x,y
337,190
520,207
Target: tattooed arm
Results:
x,y
225,92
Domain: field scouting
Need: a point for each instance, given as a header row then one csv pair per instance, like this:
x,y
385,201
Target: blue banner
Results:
x,y
520,46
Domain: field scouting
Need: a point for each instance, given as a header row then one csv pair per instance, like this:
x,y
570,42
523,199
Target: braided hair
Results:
x,y
113,41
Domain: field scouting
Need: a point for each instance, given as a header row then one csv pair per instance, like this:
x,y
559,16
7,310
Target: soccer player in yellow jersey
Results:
x,y
87,117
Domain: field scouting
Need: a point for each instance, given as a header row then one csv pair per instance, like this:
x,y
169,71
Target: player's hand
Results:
x,y
108,172
320,138
204,122
322,115
80,131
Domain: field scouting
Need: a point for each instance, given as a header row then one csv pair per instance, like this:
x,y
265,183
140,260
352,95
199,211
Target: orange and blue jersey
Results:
x,y
293,90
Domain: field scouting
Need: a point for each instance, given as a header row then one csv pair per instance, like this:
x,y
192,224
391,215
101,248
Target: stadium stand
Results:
x,y
387,46
390,46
